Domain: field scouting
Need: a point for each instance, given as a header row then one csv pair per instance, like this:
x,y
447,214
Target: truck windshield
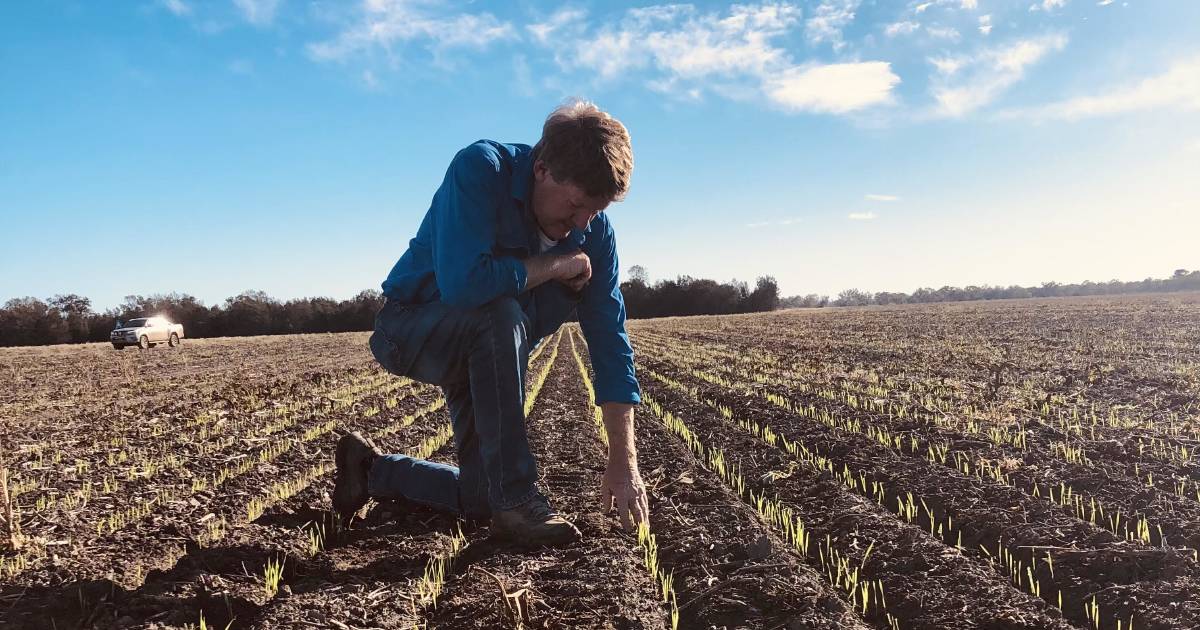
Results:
x,y
135,323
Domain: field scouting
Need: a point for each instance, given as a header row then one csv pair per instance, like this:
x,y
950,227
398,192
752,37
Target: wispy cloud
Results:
x,y
901,28
985,24
874,197
258,12
558,21
682,51
383,24
780,222
948,33
969,82
862,216
828,20
178,7
1176,88
1048,5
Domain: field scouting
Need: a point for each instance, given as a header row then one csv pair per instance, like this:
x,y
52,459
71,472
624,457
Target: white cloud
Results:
x,y
836,88
970,4
1177,88
1104,3
873,197
985,24
900,28
178,7
967,83
944,32
258,12
686,52
386,23
559,20
1048,5
828,20
862,216
920,8
781,222
947,65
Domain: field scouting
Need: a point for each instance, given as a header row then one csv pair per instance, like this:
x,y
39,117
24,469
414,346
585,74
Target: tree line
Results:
x,y
1181,280
693,296
70,318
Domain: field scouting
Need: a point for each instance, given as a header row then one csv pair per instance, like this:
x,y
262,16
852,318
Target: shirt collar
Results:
x,y
522,177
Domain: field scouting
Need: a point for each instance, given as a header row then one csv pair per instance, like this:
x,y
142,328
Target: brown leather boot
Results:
x,y
534,524
354,457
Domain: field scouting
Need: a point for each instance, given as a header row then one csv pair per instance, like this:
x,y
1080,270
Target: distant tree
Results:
x,y
76,312
853,297
249,313
764,297
637,273
29,321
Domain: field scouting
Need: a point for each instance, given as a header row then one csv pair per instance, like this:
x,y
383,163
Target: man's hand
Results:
x,y
573,270
577,271
621,486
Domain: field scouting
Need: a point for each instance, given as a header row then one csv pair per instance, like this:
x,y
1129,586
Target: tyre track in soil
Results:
x,y
928,584
1110,479
1155,585
729,569
598,582
225,579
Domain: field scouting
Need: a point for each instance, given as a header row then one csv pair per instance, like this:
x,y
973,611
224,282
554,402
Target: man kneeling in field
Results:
x,y
514,241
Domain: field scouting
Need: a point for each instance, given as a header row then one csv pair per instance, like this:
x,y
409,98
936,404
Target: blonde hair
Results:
x,y
587,147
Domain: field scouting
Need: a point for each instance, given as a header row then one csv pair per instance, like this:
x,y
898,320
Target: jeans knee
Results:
x,y
504,314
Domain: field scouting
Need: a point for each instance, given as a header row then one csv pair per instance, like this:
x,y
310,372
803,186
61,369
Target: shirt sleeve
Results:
x,y
467,272
602,319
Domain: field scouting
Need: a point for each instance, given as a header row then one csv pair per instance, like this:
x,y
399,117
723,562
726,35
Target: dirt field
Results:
x,y
1026,464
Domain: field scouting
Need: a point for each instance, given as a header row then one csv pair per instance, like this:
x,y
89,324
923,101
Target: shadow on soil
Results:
x,y
225,581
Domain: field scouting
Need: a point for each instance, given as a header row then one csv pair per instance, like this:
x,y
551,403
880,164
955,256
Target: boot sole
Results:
x,y
347,500
567,537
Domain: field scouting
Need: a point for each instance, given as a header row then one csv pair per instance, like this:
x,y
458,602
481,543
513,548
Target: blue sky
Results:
x,y
213,147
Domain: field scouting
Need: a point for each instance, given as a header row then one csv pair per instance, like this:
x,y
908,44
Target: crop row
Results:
x,y
1025,557
1006,443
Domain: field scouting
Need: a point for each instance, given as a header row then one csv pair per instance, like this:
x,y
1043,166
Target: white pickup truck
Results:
x,y
146,332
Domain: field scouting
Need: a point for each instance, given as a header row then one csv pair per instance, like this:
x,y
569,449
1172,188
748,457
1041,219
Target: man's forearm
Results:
x,y
543,268
618,422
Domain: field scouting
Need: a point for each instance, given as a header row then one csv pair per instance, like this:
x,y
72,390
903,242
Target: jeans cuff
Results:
x,y
508,505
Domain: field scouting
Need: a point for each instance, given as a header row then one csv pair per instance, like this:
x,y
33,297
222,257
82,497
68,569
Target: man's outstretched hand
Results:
x,y
622,486
623,489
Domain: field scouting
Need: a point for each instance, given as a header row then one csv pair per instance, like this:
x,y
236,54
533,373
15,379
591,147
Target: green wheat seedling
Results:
x,y
866,595
316,539
429,587
597,414
272,574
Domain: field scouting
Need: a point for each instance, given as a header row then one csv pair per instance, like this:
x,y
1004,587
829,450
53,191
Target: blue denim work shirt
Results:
x,y
470,250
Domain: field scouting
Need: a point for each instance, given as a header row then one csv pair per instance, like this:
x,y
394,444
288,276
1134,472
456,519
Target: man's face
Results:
x,y
561,206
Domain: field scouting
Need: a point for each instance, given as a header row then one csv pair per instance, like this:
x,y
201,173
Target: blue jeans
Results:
x,y
478,357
